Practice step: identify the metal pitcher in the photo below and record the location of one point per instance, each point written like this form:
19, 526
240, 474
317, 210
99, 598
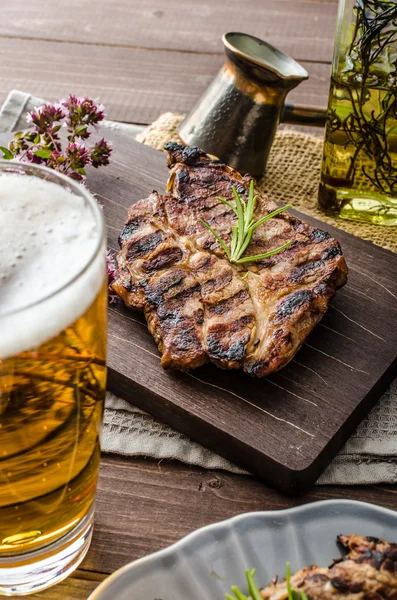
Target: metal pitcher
237, 116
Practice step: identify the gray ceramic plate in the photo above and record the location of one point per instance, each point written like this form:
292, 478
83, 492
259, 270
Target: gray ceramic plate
207, 562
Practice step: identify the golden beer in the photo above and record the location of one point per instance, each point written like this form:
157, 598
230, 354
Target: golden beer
52, 386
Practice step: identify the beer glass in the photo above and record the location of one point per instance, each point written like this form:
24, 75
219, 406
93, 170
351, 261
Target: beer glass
53, 298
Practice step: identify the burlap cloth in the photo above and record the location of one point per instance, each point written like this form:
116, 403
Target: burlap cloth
370, 456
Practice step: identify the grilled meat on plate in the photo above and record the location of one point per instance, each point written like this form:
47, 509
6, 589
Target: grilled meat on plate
367, 572
199, 306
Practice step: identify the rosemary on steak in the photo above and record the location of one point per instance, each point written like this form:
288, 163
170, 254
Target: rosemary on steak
245, 227
254, 592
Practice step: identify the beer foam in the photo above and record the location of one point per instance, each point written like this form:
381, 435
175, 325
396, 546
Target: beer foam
50, 270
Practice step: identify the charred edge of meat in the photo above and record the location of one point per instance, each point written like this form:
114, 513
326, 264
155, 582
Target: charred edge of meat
183, 177
185, 339
189, 155
129, 228
318, 235
256, 369
331, 252
218, 340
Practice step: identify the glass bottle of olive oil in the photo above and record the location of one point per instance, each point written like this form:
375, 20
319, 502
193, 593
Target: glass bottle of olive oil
359, 168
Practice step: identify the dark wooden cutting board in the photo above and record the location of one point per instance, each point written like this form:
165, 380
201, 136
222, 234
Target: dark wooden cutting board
285, 428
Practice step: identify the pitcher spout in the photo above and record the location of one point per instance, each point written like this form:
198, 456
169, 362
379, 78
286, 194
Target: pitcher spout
237, 117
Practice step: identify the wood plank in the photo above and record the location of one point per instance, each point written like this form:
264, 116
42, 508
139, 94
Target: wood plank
143, 505
135, 85
302, 29
75, 587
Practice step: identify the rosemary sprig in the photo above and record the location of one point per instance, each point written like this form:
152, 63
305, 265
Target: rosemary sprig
245, 227
254, 592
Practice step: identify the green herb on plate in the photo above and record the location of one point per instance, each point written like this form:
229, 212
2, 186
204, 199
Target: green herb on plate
254, 592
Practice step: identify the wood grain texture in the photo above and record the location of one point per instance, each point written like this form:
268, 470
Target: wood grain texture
136, 85
76, 587
143, 505
303, 29
284, 428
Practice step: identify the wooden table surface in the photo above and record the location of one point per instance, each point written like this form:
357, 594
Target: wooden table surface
142, 58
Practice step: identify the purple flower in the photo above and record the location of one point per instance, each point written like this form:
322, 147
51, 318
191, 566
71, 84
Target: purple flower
42, 145
43, 117
111, 266
112, 274
100, 154
78, 156
82, 112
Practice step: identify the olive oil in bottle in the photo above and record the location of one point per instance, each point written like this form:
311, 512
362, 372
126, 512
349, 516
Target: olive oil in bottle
359, 169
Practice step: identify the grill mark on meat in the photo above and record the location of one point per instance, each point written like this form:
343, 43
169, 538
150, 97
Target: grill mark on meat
129, 228
199, 316
318, 578
183, 295
331, 253
185, 338
218, 339
226, 305
204, 262
155, 291
339, 584
141, 246
300, 273
165, 258
291, 303
218, 283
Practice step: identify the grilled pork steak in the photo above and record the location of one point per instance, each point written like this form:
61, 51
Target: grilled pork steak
200, 307
367, 572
